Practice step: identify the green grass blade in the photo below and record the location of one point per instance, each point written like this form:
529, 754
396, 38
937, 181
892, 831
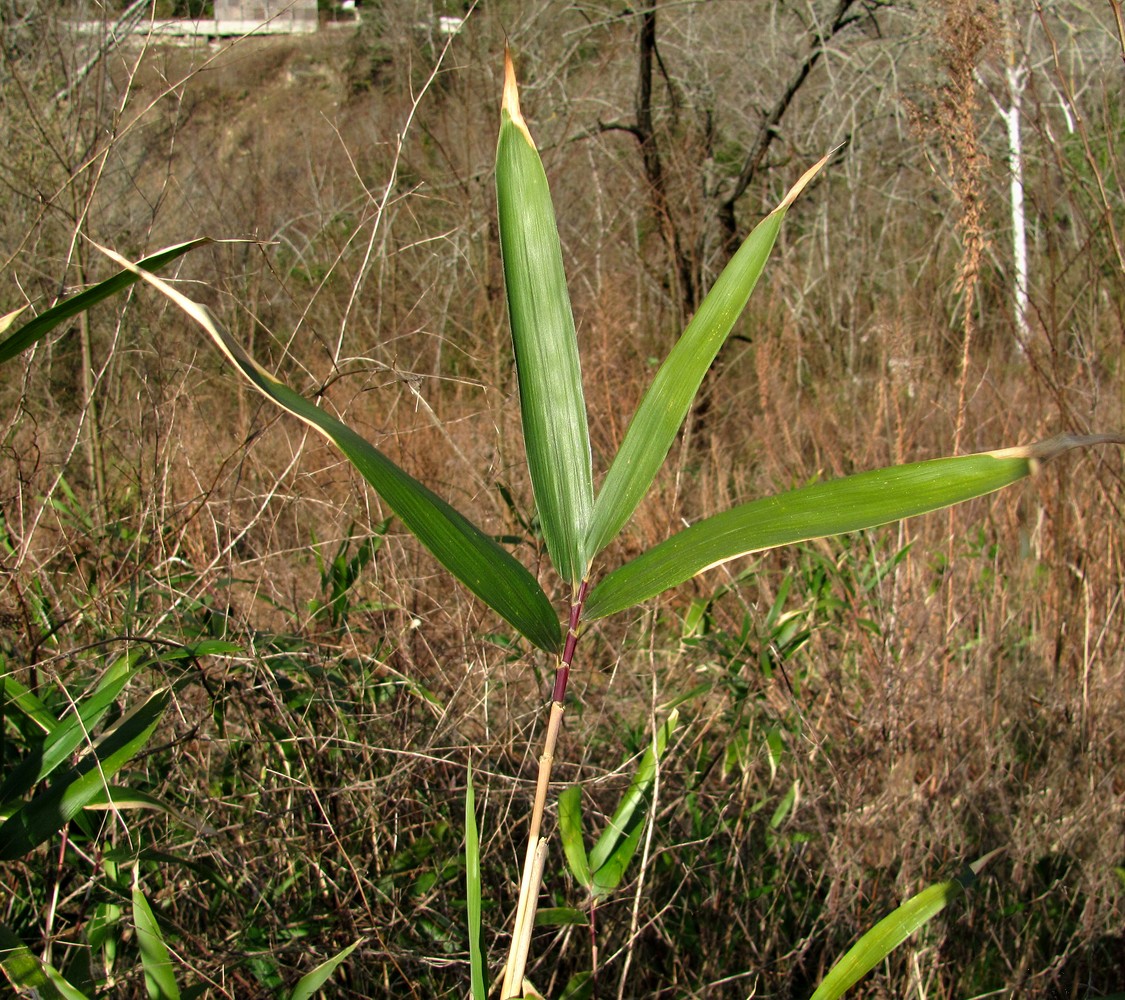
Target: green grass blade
489, 571
666, 403
44, 323
477, 985
52, 809
313, 981
893, 929
831, 508
556, 433
160, 978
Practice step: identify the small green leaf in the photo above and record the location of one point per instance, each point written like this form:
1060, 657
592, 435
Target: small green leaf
666, 403
474, 558
313, 981
570, 830
579, 987
160, 978
784, 806
560, 916
44, 323
552, 406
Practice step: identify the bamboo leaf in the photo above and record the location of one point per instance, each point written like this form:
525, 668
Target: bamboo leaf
313, 981
579, 987
560, 916
556, 434
44, 323
65, 737
621, 823
665, 405
477, 988
52, 809
609, 875
489, 571
160, 979
570, 830
16, 695
892, 930
26, 972
831, 508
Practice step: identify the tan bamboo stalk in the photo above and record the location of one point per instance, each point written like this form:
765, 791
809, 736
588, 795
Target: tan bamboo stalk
536, 856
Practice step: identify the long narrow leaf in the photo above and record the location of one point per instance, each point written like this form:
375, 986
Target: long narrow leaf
160, 978
621, 823
477, 988
610, 873
45, 322
892, 930
489, 571
831, 508
556, 434
65, 737
16, 694
665, 405
570, 830
68, 794
26, 972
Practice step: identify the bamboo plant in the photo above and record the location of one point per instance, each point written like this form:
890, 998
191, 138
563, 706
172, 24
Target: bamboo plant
579, 522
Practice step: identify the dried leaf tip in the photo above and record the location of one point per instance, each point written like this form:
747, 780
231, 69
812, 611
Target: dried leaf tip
803, 181
1043, 451
511, 100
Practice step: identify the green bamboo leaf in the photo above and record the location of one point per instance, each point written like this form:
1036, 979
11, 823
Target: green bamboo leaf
621, 823
609, 875
160, 978
892, 930
17, 695
65, 737
570, 829
113, 798
560, 916
69, 793
489, 571
44, 323
477, 988
556, 434
579, 987
26, 972
831, 508
313, 981
666, 403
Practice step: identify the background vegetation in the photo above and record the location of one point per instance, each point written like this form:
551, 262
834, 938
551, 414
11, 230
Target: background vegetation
859, 717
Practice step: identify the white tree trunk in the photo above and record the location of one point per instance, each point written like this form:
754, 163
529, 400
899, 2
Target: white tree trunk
1017, 77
